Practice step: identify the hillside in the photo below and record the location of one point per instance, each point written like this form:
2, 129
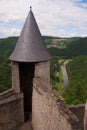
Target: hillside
72, 48
6, 47
76, 91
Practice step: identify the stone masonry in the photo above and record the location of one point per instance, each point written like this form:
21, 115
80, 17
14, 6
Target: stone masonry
15, 77
48, 108
11, 112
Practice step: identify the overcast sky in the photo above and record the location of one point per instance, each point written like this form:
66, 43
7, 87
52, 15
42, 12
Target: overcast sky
62, 18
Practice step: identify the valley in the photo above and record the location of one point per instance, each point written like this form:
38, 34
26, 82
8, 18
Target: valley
61, 49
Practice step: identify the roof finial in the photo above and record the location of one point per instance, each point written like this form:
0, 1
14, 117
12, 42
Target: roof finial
30, 8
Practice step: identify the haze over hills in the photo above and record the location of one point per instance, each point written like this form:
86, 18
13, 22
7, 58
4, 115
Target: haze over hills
60, 48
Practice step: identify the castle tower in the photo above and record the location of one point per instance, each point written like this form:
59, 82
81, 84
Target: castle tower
29, 59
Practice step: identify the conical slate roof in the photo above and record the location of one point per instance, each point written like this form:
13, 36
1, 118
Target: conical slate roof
30, 46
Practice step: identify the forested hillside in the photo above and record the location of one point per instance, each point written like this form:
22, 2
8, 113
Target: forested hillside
76, 91
6, 47
72, 48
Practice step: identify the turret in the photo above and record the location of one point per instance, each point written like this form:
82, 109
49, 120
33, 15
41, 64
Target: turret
30, 46
30, 60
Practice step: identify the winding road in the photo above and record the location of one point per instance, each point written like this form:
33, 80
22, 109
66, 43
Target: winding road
65, 76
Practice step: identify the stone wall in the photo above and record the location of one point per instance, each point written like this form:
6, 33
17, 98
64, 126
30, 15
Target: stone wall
42, 71
49, 111
11, 111
78, 110
6, 94
15, 77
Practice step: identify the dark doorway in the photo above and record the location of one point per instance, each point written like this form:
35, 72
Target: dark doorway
26, 71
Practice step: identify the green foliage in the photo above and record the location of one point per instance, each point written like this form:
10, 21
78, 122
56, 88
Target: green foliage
54, 69
75, 47
59, 84
6, 47
76, 91
5, 76
47, 40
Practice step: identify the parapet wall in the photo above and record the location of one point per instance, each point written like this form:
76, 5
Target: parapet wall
78, 110
49, 111
6, 94
11, 110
